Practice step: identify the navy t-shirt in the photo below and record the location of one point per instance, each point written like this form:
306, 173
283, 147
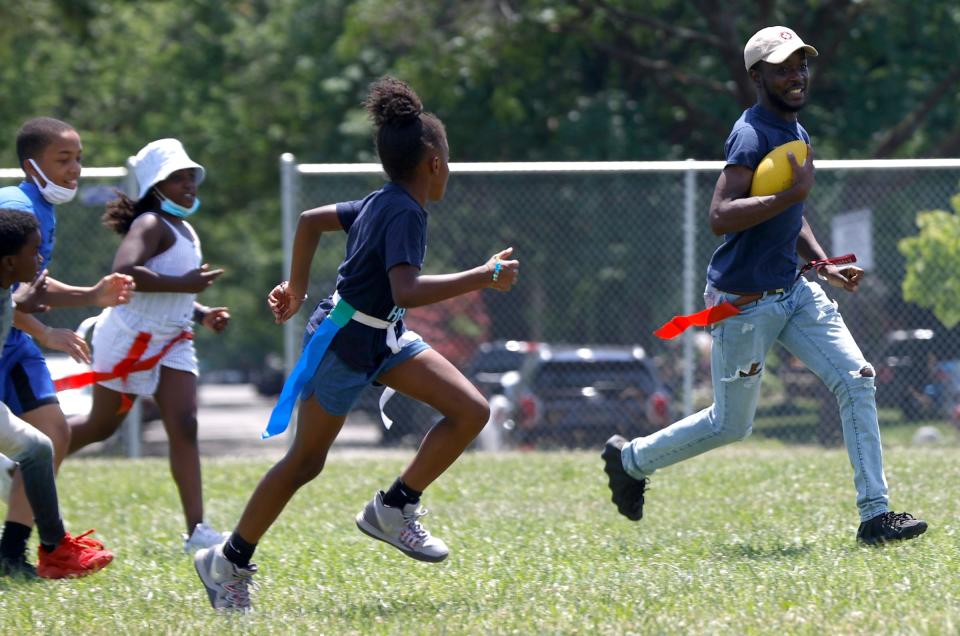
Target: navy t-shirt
385, 229
764, 256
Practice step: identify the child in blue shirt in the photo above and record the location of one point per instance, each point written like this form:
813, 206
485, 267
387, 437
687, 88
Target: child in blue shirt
379, 278
50, 155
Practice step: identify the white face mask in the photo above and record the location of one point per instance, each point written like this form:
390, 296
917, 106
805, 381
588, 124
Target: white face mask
53, 193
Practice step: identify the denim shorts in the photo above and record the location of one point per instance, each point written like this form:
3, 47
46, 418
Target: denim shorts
336, 385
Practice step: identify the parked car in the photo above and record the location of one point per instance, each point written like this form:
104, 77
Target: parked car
911, 373
494, 369
577, 396
493, 360
412, 419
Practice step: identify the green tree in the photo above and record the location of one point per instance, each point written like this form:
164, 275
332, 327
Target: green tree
933, 260
243, 81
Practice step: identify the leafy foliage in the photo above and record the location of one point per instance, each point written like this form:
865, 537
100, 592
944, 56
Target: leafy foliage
242, 82
933, 260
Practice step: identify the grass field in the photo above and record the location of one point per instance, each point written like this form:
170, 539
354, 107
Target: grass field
754, 539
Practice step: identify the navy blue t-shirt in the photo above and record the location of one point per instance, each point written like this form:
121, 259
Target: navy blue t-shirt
385, 229
764, 256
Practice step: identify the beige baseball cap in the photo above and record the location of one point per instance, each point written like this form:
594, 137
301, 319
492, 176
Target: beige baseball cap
774, 44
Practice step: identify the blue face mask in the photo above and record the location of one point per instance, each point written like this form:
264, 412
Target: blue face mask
176, 210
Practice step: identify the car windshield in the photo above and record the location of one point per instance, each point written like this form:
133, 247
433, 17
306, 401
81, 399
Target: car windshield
609, 375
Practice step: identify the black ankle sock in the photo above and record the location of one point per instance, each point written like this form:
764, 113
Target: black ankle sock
238, 551
13, 543
400, 495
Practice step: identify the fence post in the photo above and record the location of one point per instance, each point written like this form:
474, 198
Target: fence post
689, 279
289, 195
133, 423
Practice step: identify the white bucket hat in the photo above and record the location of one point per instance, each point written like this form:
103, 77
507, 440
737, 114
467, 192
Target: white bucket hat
158, 160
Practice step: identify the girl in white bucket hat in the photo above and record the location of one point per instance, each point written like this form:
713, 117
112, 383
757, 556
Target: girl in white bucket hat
147, 349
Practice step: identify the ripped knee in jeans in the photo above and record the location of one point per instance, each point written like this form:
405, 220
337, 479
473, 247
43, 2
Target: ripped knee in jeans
755, 369
746, 372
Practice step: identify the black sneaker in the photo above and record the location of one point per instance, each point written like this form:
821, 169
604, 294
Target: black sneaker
17, 567
626, 492
890, 526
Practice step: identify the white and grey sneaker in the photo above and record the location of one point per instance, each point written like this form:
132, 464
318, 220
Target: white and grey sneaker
228, 586
7, 466
203, 536
401, 528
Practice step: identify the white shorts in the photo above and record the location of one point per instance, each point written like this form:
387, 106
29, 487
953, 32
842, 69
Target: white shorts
115, 333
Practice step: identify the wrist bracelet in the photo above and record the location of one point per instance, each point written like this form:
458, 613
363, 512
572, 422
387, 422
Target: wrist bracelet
286, 287
496, 270
199, 314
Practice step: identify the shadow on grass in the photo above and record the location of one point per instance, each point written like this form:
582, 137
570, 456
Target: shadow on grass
763, 552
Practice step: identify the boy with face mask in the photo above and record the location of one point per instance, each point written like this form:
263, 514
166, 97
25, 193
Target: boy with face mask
50, 155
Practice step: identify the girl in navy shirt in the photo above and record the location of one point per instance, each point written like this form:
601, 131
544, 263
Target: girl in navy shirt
379, 278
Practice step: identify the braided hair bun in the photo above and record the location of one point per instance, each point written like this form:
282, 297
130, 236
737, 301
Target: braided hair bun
404, 131
392, 102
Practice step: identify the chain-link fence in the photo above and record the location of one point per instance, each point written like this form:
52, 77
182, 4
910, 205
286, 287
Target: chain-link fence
608, 252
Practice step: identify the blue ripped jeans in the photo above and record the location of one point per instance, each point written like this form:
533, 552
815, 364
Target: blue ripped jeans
809, 326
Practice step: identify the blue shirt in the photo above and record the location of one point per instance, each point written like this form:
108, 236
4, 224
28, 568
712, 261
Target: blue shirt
762, 257
26, 197
385, 229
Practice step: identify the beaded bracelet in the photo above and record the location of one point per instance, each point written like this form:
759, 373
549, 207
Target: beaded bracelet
496, 270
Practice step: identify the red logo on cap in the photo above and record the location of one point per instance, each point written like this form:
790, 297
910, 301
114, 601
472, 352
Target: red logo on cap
786, 35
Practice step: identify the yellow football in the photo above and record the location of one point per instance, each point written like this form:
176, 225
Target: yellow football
774, 173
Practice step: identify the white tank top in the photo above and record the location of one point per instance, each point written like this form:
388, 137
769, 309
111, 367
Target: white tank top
171, 308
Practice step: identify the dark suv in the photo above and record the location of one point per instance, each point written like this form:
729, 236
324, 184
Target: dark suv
577, 396
493, 360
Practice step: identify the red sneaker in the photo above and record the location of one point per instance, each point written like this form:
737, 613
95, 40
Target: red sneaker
90, 542
73, 557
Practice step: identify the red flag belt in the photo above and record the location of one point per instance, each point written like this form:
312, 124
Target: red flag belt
678, 324
846, 259
131, 363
